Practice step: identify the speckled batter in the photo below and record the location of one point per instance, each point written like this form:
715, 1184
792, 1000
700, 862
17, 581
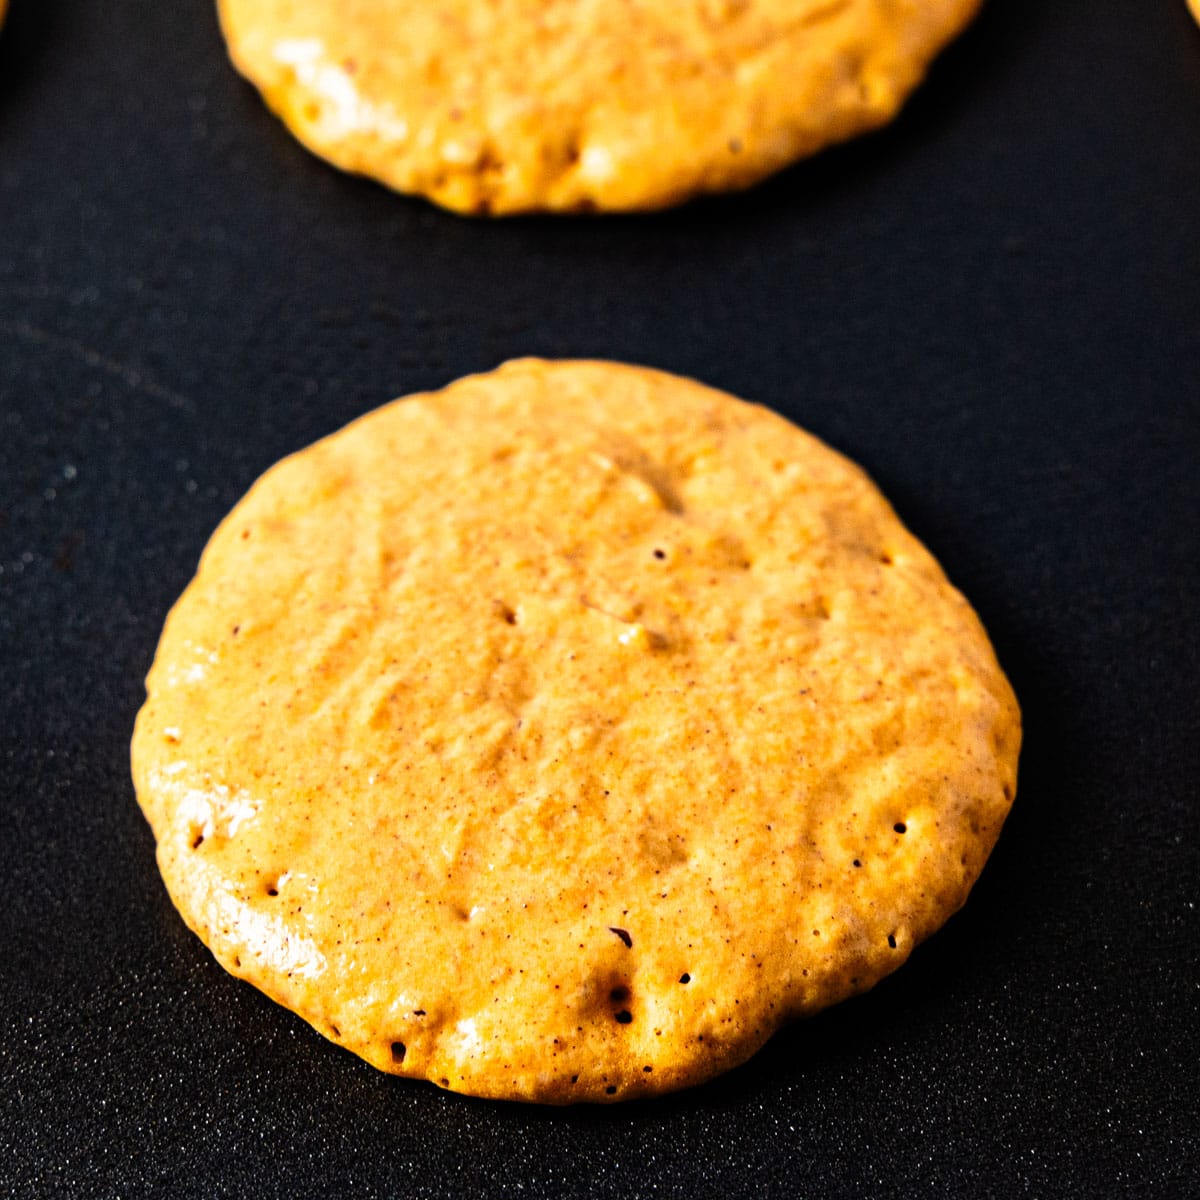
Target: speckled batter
559, 735
517, 105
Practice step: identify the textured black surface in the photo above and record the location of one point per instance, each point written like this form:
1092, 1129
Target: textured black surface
994, 305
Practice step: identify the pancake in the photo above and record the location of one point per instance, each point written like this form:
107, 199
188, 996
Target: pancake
559, 735
569, 105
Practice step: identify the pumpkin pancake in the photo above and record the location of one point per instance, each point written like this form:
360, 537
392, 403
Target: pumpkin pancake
568, 105
559, 735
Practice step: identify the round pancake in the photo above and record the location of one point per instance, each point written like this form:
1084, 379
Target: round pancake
522, 105
559, 735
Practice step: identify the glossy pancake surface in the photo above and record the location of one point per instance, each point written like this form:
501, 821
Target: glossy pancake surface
559, 735
519, 105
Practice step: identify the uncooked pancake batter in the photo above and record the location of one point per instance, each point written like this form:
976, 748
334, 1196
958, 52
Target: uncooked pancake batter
559, 735
522, 105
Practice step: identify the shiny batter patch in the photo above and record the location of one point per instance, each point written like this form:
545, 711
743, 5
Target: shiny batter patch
559, 735
569, 105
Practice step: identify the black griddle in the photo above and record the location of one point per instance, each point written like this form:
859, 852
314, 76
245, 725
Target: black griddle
993, 305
